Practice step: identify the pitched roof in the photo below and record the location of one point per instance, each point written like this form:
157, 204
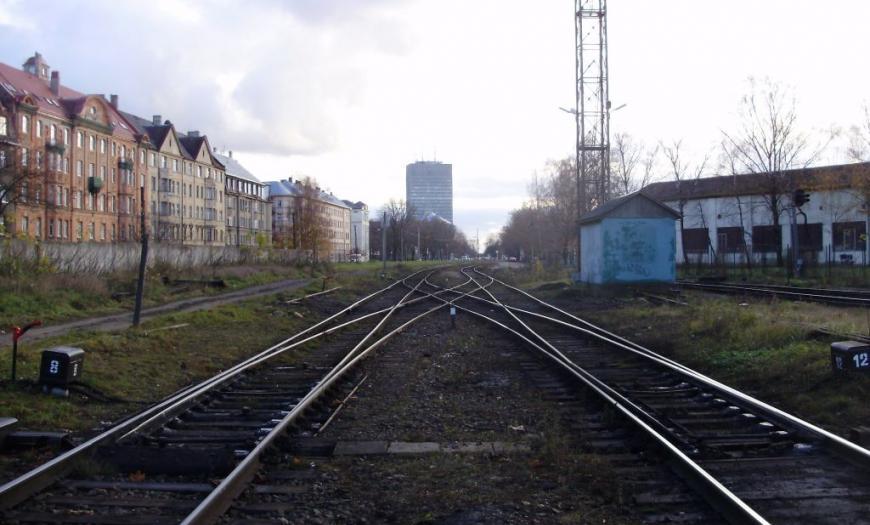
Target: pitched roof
64, 105
358, 205
235, 169
829, 177
287, 188
612, 205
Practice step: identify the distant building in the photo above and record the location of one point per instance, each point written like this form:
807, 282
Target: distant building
249, 212
628, 240
429, 188
359, 229
287, 196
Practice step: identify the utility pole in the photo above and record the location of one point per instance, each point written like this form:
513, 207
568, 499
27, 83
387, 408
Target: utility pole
419, 248
384, 242
143, 261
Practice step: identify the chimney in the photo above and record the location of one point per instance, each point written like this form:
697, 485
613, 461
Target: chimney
193, 134
155, 120
231, 153
55, 83
113, 99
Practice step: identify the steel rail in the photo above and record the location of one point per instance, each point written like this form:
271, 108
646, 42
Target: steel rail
844, 292
719, 496
838, 444
20, 488
839, 300
168, 412
220, 499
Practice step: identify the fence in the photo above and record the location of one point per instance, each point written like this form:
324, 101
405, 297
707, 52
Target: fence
827, 265
101, 258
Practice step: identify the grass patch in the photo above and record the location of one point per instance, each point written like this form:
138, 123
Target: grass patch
766, 348
143, 364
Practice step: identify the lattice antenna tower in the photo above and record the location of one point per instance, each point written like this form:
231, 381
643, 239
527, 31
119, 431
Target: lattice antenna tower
593, 104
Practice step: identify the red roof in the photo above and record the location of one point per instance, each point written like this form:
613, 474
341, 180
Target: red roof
68, 104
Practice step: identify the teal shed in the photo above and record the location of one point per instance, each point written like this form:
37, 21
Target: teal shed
631, 239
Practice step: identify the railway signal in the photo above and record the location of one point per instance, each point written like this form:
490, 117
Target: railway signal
17, 332
800, 198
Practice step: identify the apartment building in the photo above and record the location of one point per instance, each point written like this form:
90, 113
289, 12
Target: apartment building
331, 218
186, 185
73, 165
248, 210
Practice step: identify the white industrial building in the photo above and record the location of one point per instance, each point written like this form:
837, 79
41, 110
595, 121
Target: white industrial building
729, 219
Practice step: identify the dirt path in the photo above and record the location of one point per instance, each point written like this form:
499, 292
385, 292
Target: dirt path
123, 320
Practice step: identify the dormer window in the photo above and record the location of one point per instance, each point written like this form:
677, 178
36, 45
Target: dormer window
93, 111
45, 71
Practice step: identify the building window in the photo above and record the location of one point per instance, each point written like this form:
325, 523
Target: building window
142, 156
849, 236
103, 172
66, 136
4, 126
38, 128
38, 225
52, 133
25, 124
102, 232
80, 228
80, 168
810, 237
163, 161
102, 145
695, 240
24, 157
91, 232
80, 139
92, 142
2, 158
91, 170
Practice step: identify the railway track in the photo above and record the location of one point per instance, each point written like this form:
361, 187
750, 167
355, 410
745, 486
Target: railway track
184, 460
751, 462
833, 296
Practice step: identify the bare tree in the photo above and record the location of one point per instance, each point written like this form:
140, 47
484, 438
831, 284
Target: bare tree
632, 164
18, 182
768, 142
685, 174
310, 219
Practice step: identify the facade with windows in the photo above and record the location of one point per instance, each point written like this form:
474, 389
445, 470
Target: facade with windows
70, 162
429, 189
359, 230
331, 217
186, 183
730, 219
248, 210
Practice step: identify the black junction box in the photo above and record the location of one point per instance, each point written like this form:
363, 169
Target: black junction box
61, 365
850, 355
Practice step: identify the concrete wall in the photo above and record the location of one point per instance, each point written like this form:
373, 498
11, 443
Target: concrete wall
619, 250
102, 258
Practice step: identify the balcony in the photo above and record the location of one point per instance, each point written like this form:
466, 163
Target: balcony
53, 146
95, 184
124, 164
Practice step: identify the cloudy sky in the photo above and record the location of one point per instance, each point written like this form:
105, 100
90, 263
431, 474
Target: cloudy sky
350, 91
